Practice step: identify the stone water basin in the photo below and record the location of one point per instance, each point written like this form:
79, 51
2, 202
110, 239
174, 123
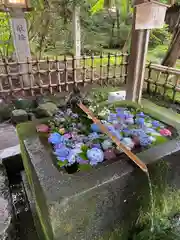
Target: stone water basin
87, 205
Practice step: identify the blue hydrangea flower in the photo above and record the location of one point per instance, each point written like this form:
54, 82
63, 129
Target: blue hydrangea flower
140, 121
118, 110
121, 115
95, 156
55, 138
73, 155
111, 128
129, 121
137, 132
155, 123
93, 136
145, 141
126, 132
74, 115
96, 145
117, 134
149, 130
95, 128
111, 117
62, 153
81, 161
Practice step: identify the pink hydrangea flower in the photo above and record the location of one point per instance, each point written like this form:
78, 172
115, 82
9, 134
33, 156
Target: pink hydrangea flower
43, 128
165, 132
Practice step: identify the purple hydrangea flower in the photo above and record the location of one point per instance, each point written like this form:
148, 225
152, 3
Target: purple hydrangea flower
62, 153
149, 130
137, 132
117, 134
111, 128
112, 117
95, 156
93, 136
121, 115
73, 155
81, 161
140, 121
145, 141
141, 115
155, 123
55, 138
126, 132
96, 145
118, 110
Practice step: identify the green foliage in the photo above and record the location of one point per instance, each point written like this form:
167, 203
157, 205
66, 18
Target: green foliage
6, 46
159, 36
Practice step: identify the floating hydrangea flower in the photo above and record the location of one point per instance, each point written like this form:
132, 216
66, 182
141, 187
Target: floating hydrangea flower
120, 109
149, 130
62, 153
106, 144
81, 161
128, 142
141, 115
117, 134
121, 115
54, 138
126, 132
93, 136
111, 117
111, 128
129, 121
95, 156
95, 128
165, 132
67, 135
73, 155
145, 141
43, 128
74, 115
96, 145
155, 123
140, 121
137, 132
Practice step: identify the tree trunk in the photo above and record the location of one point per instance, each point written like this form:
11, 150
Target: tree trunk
118, 24
173, 52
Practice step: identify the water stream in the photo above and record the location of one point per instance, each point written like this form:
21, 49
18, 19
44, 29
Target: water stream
151, 202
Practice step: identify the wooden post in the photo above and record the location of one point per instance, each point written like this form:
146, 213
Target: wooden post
135, 61
147, 15
21, 42
77, 33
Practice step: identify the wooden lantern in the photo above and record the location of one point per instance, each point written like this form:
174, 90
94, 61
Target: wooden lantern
150, 14
14, 4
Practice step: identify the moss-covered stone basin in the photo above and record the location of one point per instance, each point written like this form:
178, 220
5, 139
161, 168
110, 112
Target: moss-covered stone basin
87, 205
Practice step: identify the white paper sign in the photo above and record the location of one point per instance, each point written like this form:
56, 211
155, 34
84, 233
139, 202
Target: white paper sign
150, 15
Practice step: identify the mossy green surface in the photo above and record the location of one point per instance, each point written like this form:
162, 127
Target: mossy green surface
26, 130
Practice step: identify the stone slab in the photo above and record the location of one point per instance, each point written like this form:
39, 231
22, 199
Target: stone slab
86, 205
9, 143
